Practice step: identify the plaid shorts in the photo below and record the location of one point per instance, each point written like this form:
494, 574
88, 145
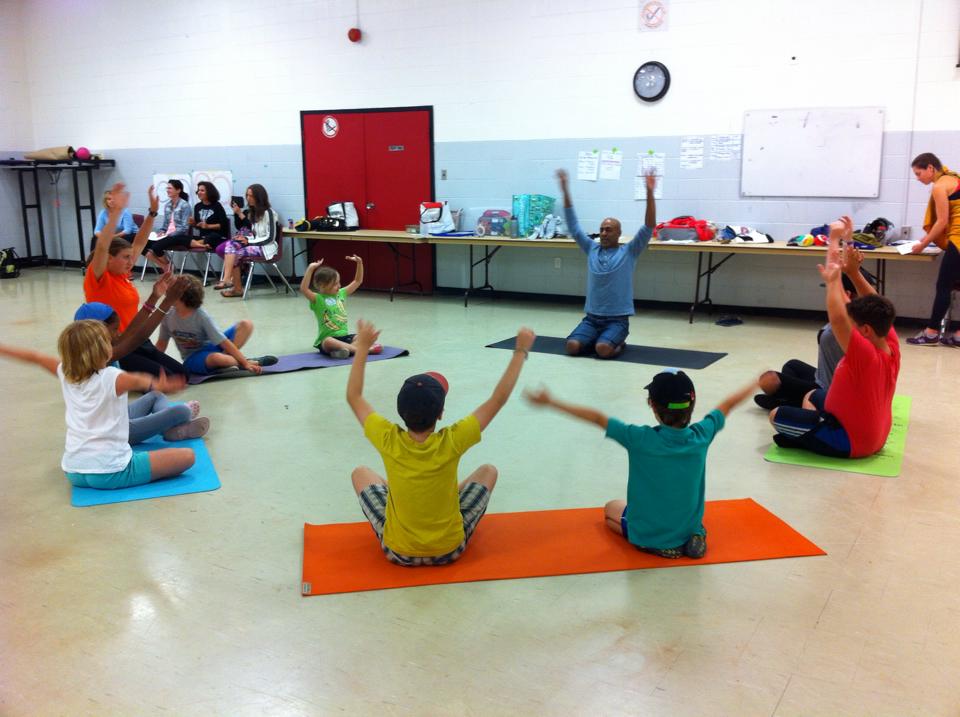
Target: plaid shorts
473, 504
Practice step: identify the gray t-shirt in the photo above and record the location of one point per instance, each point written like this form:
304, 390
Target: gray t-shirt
190, 333
829, 354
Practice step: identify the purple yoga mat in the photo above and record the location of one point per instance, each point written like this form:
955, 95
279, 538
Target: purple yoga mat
299, 362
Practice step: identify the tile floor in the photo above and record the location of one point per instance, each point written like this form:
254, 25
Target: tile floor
190, 605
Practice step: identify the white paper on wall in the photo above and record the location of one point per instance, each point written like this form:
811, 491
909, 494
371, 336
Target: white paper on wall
646, 162
691, 152
724, 147
222, 179
587, 164
611, 162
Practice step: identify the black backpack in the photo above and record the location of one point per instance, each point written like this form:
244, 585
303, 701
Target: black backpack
9, 264
328, 224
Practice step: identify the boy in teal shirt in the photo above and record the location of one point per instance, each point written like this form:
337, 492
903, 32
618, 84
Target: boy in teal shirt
321, 286
663, 513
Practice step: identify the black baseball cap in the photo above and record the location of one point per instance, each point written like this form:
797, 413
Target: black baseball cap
672, 389
421, 398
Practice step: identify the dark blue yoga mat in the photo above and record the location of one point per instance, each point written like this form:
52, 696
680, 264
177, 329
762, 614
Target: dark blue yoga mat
201, 477
300, 362
652, 355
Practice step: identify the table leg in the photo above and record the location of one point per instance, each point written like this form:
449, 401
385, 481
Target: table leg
696, 291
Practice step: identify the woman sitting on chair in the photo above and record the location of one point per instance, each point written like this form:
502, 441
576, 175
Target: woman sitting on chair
209, 219
174, 230
261, 222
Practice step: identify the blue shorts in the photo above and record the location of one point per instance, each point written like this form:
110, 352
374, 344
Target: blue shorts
813, 430
594, 329
137, 472
197, 361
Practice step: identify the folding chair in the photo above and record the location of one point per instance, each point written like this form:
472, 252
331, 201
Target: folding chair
252, 262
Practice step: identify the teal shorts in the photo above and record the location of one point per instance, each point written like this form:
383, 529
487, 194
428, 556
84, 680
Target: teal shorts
137, 472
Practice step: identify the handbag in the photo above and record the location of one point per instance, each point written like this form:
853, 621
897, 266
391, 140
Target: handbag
346, 211
9, 264
436, 218
685, 228
328, 224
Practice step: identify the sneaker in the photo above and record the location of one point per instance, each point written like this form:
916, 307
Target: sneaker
695, 547
194, 429
225, 369
376, 349
672, 553
952, 341
340, 354
766, 402
924, 339
266, 360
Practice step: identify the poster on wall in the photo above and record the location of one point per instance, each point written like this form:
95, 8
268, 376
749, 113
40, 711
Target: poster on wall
646, 162
691, 152
611, 162
160, 187
724, 147
222, 179
588, 161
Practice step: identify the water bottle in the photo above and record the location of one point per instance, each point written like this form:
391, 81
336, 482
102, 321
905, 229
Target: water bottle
289, 223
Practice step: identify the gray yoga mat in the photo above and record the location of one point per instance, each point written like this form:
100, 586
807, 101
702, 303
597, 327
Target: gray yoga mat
652, 355
300, 362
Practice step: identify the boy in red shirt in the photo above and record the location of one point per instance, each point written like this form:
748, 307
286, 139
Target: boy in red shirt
853, 418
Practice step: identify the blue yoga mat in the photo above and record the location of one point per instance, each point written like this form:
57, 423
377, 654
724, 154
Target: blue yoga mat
201, 477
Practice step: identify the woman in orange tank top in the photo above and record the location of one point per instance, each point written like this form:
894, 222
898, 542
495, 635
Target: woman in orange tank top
107, 280
941, 225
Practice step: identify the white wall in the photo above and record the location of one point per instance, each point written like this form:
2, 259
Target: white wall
16, 128
112, 74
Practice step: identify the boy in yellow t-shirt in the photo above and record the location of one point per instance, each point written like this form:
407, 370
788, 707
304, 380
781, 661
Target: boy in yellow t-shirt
421, 515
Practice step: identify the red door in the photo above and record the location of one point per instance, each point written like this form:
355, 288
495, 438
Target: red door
382, 161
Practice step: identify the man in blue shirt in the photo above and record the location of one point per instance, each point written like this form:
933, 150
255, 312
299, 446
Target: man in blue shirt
610, 266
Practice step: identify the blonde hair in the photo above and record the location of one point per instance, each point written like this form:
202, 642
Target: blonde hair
84, 348
106, 196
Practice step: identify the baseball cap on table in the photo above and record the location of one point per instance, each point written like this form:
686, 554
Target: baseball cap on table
93, 310
672, 389
421, 398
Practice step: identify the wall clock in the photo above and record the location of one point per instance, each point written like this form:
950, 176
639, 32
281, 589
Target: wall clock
651, 81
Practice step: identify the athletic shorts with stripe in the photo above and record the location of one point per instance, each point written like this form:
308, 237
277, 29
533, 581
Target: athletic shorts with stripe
473, 504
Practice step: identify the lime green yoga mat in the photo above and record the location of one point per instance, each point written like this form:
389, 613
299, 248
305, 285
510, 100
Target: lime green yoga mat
885, 463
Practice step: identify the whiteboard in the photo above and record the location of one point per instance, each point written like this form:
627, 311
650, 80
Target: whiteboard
814, 152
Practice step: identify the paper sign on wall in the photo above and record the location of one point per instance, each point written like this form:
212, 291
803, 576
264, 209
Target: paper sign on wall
724, 147
588, 163
646, 162
611, 162
691, 152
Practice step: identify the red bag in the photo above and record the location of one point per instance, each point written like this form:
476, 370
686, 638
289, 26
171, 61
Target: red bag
685, 228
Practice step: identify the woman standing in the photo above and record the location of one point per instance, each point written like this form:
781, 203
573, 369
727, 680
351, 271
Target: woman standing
941, 225
175, 228
261, 221
209, 218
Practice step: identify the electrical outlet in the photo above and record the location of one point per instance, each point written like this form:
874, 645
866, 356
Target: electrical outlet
443, 174
905, 232
557, 263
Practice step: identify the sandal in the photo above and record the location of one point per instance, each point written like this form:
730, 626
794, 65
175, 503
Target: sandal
231, 294
221, 285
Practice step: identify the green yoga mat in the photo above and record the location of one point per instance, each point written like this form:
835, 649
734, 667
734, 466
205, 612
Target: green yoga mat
885, 463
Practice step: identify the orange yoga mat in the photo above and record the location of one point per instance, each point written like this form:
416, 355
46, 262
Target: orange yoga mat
346, 557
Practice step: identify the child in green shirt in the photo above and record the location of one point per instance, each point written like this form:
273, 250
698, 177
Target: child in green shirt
321, 286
